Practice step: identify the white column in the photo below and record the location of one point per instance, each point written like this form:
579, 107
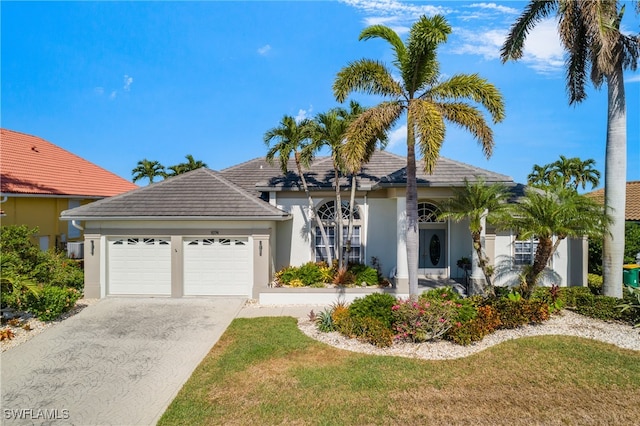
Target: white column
476, 271
401, 249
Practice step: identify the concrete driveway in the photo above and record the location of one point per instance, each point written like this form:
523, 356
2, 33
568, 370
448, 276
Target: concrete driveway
120, 361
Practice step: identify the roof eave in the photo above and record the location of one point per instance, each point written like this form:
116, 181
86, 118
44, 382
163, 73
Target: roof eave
159, 218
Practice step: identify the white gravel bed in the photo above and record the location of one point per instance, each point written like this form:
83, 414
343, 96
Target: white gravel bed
34, 326
566, 323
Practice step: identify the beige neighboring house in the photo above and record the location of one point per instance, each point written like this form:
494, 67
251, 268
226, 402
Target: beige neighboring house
208, 233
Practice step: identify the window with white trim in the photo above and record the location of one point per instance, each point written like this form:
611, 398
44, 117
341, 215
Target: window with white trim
524, 251
327, 213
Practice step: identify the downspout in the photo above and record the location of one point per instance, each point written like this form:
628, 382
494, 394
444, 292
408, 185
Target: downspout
364, 233
76, 225
4, 199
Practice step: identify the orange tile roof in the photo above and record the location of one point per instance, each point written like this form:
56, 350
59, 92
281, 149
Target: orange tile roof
632, 208
31, 165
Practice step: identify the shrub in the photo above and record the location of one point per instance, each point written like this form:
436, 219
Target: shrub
373, 331
486, 322
376, 305
365, 274
47, 304
422, 320
631, 305
296, 282
594, 282
309, 273
515, 313
343, 277
342, 319
601, 307
550, 296
570, 295
465, 308
285, 275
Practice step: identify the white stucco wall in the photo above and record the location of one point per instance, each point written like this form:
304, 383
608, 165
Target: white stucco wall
381, 233
460, 245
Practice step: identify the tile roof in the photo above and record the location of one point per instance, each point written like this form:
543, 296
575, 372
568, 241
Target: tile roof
199, 194
632, 208
384, 170
31, 165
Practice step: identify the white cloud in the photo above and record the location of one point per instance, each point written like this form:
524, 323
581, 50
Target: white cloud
303, 113
633, 79
264, 50
394, 14
495, 7
397, 137
542, 49
127, 83
113, 95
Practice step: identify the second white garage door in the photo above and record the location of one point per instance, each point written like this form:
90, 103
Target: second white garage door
217, 267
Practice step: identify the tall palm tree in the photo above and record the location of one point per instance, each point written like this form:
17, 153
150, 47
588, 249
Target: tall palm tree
590, 34
584, 172
147, 169
565, 172
428, 101
555, 213
479, 203
290, 138
540, 176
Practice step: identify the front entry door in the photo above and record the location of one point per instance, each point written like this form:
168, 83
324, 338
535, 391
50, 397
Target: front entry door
432, 249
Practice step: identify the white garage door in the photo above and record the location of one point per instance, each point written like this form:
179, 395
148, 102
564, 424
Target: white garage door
217, 266
139, 266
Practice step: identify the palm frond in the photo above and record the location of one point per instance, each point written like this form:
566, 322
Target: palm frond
430, 131
386, 33
421, 67
369, 127
474, 87
470, 118
366, 76
533, 13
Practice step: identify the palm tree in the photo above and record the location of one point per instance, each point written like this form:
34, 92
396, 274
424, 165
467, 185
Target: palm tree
289, 138
426, 98
479, 203
147, 169
180, 168
565, 172
584, 172
540, 176
558, 212
590, 34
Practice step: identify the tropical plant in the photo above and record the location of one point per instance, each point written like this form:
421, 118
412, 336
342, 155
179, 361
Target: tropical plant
549, 215
566, 172
189, 165
147, 169
479, 203
290, 138
590, 34
428, 100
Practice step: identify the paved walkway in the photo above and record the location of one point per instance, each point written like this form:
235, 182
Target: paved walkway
118, 362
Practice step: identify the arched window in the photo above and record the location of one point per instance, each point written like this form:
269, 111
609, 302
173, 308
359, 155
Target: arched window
328, 213
428, 213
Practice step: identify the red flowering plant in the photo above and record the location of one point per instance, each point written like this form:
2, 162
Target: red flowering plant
424, 319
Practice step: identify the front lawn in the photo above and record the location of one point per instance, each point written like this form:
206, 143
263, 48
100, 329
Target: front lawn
265, 371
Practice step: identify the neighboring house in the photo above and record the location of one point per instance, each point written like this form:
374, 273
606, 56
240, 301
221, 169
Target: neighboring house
632, 207
39, 180
227, 232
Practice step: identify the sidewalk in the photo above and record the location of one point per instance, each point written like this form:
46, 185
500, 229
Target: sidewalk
296, 311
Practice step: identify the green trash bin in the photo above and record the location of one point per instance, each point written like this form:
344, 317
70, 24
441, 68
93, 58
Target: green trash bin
630, 275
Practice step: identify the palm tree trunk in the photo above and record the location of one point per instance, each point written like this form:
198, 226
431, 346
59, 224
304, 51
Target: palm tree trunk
323, 233
352, 202
338, 232
412, 210
615, 184
540, 260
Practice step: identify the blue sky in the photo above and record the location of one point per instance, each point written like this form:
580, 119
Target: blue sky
115, 82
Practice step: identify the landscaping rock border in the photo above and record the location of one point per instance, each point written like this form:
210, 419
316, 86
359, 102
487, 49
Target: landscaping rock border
565, 323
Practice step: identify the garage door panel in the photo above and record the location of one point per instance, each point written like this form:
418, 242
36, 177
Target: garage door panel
139, 266
217, 266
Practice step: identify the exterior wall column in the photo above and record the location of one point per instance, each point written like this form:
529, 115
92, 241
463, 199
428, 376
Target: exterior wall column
92, 254
261, 262
177, 266
402, 269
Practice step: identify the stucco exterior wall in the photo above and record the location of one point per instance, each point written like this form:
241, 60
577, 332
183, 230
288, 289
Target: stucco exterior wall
460, 246
44, 213
381, 233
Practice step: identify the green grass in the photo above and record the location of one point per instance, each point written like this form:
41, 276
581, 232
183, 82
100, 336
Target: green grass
265, 371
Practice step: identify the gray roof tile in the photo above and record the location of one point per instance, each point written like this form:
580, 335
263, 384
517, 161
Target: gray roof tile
202, 193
